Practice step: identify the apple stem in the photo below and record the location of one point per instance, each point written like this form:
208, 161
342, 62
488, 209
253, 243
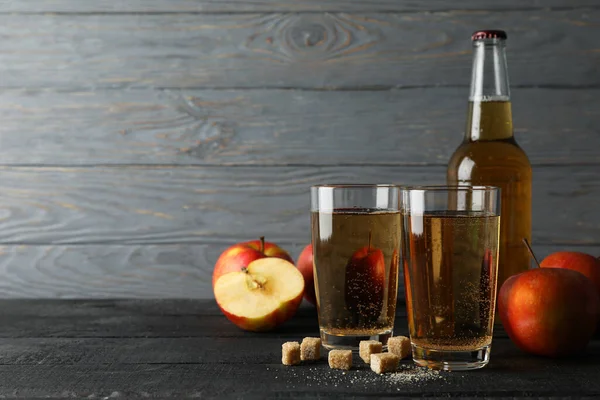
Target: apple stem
252, 281
531, 252
262, 244
370, 237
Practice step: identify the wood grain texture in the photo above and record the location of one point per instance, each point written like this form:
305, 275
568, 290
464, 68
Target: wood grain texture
532, 378
100, 310
185, 355
161, 82
136, 271
112, 271
181, 6
100, 271
132, 351
281, 127
185, 350
322, 50
80, 319
138, 205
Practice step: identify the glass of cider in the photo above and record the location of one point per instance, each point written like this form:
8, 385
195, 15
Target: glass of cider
356, 249
450, 237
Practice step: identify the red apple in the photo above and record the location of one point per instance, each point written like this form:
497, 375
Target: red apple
581, 262
549, 311
365, 280
262, 295
240, 255
305, 266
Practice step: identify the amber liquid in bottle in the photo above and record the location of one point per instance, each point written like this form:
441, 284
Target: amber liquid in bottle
489, 155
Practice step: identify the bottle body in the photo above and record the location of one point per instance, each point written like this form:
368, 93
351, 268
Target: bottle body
502, 163
489, 154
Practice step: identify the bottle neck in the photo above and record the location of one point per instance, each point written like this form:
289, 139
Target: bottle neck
490, 116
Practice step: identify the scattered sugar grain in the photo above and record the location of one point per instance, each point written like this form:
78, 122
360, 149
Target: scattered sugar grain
410, 374
407, 375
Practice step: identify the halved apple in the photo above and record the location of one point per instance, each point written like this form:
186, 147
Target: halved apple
242, 254
261, 296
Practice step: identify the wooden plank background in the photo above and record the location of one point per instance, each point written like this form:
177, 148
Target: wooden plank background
190, 6
139, 139
280, 127
290, 50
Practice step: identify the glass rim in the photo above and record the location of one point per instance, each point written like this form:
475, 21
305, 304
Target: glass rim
442, 188
355, 185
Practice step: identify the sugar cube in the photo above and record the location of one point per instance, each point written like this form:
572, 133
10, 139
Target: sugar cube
368, 347
400, 346
384, 362
290, 353
340, 359
310, 349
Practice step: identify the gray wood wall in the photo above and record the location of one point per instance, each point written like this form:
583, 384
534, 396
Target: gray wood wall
138, 139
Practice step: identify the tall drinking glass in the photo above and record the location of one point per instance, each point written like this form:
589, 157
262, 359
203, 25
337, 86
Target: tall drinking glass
450, 257
356, 247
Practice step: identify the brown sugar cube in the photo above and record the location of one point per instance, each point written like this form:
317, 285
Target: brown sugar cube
340, 359
400, 346
290, 353
368, 347
310, 349
384, 362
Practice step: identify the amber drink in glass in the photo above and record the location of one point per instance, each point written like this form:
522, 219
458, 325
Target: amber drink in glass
356, 248
450, 257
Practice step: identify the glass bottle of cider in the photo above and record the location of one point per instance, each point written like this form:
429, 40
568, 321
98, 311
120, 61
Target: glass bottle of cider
489, 154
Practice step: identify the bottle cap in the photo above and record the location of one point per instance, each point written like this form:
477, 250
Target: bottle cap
488, 34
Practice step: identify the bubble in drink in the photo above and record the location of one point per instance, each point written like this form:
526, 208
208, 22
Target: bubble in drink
356, 266
451, 278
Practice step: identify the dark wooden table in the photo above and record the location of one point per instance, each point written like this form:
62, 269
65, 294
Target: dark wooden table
186, 348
